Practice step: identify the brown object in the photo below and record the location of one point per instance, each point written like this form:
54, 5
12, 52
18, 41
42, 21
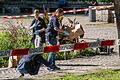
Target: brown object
75, 32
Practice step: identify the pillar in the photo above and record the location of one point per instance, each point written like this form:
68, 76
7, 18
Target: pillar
92, 14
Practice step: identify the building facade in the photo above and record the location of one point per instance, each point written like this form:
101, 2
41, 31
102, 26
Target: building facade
17, 7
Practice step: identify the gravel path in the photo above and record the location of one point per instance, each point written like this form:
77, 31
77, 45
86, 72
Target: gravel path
100, 30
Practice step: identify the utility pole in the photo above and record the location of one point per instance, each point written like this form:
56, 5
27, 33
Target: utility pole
117, 13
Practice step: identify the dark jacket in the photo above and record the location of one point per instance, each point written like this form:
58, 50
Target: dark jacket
37, 25
29, 64
53, 22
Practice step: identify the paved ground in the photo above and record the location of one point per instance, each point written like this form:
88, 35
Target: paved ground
80, 65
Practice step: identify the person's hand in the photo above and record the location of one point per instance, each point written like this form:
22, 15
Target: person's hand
73, 30
27, 28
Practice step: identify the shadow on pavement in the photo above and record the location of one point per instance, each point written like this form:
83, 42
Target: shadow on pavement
77, 65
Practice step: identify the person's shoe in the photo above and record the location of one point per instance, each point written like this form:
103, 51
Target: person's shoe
50, 69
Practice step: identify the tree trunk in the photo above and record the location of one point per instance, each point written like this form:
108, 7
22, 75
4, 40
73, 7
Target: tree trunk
117, 13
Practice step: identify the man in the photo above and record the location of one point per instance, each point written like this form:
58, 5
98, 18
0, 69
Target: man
38, 25
30, 64
52, 32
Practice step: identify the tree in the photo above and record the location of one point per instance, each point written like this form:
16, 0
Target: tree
117, 13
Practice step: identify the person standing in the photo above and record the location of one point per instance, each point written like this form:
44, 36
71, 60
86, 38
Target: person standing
38, 26
51, 35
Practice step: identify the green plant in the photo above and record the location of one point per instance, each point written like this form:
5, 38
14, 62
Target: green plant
100, 75
60, 56
88, 52
14, 37
4, 62
45, 55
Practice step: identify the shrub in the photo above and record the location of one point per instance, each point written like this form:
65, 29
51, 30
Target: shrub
14, 37
88, 52
4, 62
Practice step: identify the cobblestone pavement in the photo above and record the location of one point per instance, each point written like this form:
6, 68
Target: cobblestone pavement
100, 30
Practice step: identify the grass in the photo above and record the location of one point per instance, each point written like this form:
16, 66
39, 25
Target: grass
100, 75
